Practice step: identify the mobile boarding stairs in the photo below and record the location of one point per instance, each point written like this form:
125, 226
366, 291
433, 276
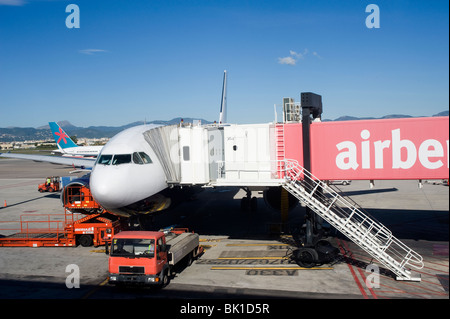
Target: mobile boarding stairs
347, 217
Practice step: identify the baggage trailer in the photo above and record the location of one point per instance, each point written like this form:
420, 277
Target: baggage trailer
40, 230
147, 257
64, 230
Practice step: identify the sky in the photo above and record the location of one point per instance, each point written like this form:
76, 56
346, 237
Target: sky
160, 59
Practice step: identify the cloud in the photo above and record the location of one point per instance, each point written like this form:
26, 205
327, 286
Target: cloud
90, 51
12, 3
295, 56
293, 53
316, 55
298, 55
287, 60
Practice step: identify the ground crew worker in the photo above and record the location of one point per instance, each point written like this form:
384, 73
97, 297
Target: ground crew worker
151, 248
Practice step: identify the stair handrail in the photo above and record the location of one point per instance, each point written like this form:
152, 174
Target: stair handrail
296, 173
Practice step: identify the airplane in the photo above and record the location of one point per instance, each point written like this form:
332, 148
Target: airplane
67, 147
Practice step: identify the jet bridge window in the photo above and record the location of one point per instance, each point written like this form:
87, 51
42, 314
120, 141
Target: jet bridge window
104, 159
121, 159
186, 153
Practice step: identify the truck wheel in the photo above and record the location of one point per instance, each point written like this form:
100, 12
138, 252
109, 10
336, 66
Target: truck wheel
166, 279
189, 259
85, 240
51, 189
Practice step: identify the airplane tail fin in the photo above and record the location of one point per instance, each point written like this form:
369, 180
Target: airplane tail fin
223, 103
61, 138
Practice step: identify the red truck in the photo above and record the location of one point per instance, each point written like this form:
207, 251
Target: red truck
147, 257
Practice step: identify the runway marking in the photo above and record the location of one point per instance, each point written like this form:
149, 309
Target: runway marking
269, 268
361, 257
438, 259
427, 290
244, 245
98, 251
244, 261
95, 289
363, 276
257, 258
440, 250
355, 277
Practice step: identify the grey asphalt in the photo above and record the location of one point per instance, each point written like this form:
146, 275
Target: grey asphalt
243, 256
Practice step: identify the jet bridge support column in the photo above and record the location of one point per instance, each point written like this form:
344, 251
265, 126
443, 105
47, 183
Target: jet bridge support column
311, 104
313, 250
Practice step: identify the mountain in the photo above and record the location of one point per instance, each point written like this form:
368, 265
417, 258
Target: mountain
390, 116
43, 132
443, 113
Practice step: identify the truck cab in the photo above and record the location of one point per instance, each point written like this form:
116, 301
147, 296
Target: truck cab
139, 257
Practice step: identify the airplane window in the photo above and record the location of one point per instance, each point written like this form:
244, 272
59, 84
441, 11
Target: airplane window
137, 158
121, 159
145, 158
105, 159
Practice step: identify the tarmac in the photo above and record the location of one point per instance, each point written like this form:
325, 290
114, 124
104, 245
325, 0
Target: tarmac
245, 253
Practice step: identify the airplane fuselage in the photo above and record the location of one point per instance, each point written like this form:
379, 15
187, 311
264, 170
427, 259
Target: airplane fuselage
85, 151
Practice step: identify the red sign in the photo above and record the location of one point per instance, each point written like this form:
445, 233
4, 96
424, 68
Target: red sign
413, 148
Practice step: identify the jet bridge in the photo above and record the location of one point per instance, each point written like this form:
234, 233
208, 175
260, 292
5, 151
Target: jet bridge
217, 155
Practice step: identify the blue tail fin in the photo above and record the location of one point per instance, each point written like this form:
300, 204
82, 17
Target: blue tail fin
61, 138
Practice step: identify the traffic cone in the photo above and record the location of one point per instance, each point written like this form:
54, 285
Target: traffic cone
5, 203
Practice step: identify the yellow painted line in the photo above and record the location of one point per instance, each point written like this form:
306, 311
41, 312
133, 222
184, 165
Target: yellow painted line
97, 251
253, 258
243, 245
93, 290
270, 268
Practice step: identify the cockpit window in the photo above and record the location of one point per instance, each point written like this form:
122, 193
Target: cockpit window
145, 158
141, 158
137, 158
104, 159
121, 159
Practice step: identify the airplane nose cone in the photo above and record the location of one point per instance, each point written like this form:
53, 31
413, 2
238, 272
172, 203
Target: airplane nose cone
109, 190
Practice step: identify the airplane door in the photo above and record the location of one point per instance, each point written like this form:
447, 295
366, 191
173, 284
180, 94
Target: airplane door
216, 151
